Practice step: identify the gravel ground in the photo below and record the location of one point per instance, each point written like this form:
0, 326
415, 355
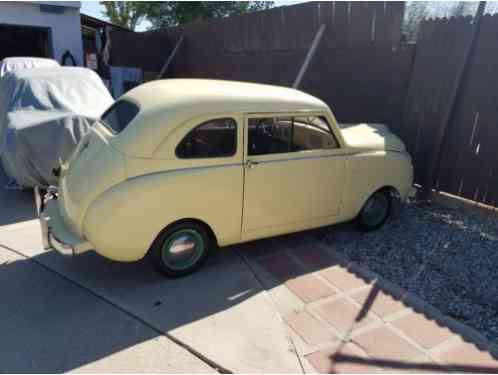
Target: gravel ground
447, 257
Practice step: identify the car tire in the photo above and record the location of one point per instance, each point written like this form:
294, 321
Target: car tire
180, 249
375, 211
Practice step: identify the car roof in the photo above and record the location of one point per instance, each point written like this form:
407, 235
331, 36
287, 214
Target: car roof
166, 104
223, 96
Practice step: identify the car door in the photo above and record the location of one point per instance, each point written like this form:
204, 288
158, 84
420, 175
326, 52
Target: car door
294, 174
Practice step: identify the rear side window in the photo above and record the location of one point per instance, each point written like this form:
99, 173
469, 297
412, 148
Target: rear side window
119, 115
211, 139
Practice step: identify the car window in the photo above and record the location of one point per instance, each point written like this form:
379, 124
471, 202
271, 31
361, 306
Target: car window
269, 135
312, 133
211, 139
119, 115
274, 135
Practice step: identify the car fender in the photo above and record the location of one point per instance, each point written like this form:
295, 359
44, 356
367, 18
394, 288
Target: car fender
371, 171
123, 221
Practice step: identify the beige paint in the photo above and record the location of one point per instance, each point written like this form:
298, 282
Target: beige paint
118, 192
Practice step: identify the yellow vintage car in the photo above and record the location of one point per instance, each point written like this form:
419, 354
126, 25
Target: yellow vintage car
177, 167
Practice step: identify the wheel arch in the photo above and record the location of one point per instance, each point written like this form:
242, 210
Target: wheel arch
394, 195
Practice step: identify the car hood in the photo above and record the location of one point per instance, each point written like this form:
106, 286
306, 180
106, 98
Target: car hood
371, 137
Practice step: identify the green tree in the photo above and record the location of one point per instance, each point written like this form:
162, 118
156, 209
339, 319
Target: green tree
415, 12
125, 13
171, 13
464, 8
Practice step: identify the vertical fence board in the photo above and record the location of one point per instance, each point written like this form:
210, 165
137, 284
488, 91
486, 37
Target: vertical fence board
480, 156
342, 23
382, 29
361, 22
394, 15
327, 18
415, 112
326, 14
449, 179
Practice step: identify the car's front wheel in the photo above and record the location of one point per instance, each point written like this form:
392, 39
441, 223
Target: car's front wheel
375, 212
180, 249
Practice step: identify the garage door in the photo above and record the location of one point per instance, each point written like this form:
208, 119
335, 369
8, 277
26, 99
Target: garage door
23, 41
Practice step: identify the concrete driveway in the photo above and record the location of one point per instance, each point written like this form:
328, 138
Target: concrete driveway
90, 314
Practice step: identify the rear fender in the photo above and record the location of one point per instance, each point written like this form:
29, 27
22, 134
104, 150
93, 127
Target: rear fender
123, 222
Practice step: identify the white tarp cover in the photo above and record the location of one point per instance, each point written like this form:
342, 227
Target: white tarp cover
43, 114
13, 64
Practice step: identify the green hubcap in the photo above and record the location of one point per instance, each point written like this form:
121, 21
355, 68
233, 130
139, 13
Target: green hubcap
375, 209
182, 249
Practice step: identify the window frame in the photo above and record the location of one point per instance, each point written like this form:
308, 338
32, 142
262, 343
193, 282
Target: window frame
292, 116
178, 143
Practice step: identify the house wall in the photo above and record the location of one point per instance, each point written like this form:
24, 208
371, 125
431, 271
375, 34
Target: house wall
65, 27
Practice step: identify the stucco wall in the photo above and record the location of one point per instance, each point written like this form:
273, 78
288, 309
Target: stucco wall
65, 27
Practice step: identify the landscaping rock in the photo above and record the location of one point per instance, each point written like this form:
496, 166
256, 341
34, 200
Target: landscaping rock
449, 258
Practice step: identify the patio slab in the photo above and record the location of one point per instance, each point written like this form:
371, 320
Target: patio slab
363, 323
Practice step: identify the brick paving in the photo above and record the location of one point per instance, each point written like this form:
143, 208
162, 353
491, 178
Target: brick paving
343, 318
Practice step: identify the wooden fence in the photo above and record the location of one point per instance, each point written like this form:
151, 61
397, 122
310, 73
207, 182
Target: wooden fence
293, 27
362, 70
469, 162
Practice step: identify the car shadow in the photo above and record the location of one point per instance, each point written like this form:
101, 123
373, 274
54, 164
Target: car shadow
15, 205
53, 324
50, 326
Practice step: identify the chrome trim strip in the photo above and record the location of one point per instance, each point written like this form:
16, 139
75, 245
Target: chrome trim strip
296, 158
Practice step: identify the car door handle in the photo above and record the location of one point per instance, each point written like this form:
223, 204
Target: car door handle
251, 163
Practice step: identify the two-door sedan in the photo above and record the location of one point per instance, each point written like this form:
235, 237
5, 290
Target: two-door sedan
177, 167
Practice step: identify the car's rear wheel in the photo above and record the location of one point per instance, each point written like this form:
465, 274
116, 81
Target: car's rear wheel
181, 249
375, 212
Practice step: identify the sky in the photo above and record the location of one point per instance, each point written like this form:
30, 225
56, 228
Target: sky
94, 9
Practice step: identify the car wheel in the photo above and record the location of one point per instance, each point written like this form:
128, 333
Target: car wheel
375, 211
181, 249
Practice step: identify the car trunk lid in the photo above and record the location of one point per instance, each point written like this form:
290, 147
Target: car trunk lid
93, 167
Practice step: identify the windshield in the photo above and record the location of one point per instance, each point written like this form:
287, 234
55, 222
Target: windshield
119, 115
